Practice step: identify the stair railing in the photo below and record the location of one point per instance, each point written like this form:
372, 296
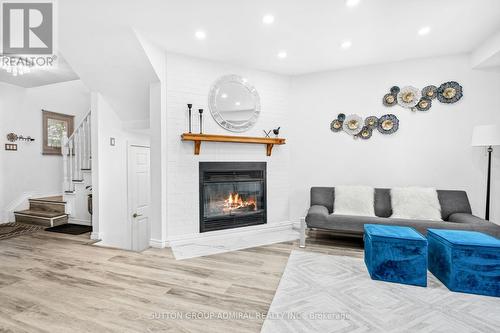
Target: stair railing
76, 152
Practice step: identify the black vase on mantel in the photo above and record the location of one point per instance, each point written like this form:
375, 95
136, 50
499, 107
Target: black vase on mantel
201, 120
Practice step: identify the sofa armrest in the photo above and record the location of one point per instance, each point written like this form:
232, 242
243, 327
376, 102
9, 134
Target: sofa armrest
465, 218
316, 213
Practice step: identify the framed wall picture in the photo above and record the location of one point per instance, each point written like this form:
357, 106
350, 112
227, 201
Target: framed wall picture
54, 125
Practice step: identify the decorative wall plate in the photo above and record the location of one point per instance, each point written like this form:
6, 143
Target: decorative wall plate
365, 133
336, 125
390, 100
388, 124
341, 117
409, 96
395, 90
424, 104
430, 92
371, 122
449, 92
12, 137
353, 124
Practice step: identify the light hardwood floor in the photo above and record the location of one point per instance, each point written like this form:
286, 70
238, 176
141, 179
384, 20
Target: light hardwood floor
52, 282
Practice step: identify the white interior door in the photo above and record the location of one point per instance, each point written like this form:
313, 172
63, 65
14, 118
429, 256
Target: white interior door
139, 196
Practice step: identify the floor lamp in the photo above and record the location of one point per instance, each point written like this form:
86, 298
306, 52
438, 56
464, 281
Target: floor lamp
486, 136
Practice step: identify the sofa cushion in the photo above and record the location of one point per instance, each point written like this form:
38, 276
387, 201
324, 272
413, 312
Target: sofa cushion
355, 224
415, 203
467, 218
323, 196
451, 201
317, 215
354, 200
319, 218
383, 202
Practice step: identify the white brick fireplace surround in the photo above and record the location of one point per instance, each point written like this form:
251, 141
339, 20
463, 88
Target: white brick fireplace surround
189, 81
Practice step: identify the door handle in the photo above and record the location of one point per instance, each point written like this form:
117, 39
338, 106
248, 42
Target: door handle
136, 215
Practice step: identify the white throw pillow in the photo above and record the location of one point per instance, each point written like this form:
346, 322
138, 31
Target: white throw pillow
354, 200
416, 203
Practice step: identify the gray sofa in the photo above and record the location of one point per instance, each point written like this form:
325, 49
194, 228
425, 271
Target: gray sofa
455, 211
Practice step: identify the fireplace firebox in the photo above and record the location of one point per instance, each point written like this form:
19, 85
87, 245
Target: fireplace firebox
232, 195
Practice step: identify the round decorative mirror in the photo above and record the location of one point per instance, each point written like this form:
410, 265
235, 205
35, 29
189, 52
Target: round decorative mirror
234, 103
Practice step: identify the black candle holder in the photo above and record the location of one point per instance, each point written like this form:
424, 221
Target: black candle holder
201, 120
189, 113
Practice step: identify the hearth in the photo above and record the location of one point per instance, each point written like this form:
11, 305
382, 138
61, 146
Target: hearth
232, 195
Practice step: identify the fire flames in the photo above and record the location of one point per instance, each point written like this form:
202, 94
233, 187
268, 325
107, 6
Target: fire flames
236, 202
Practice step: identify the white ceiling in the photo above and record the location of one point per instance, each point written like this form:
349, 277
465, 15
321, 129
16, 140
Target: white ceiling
98, 41
40, 76
311, 31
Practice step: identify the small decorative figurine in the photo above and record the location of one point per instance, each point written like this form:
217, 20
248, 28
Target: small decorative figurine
189, 113
201, 120
276, 131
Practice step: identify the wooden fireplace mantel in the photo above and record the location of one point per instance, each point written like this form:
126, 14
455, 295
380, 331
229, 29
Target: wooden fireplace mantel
198, 138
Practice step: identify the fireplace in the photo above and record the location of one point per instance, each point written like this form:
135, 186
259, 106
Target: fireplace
232, 195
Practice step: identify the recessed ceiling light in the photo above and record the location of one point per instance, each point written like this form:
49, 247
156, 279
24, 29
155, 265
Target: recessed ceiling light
237, 103
424, 31
282, 55
224, 95
346, 44
200, 34
352, 3
268, 19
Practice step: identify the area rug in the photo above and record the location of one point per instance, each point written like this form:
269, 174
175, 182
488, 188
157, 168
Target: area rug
327, 293
9, 230
70, 229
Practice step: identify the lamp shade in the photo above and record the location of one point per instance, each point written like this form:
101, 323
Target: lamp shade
486, 135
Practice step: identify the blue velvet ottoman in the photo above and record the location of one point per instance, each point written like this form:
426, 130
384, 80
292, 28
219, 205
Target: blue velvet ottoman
396, 254
465, 261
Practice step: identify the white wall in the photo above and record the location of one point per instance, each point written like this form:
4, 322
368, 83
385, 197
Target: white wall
189, 81
430, 149
487, 55
28, 172
110, 221
158, 130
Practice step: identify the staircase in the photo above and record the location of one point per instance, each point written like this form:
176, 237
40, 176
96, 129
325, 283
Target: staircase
48, 212
77, 180
77, 174
76, 155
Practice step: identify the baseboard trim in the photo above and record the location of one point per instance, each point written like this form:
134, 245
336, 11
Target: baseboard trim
79, 221
158, 244
96, 235
296, 225
5, 217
